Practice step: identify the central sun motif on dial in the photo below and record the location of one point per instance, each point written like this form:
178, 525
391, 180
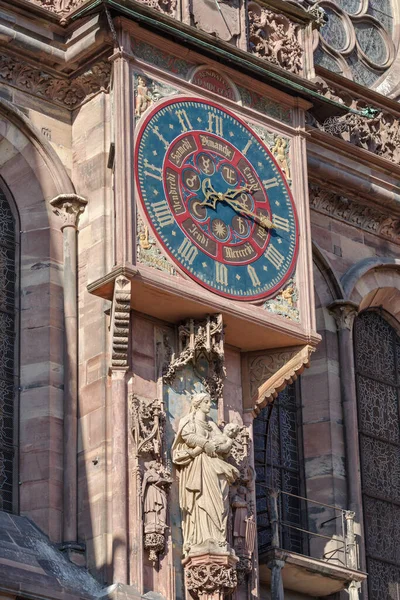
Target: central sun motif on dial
229, 225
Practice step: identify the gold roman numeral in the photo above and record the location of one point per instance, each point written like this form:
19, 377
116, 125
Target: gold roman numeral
281, 223
253, 276
188, 251
274, 256
221, 273
183, 120
163, 213
215, 124
270, 183
154, 172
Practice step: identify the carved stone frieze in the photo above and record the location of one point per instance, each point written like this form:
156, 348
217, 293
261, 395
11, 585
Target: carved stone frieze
60, 7
67, 92
120, 322
271, 372
168, 7
200, 342
354, 213
377, 131
275, 38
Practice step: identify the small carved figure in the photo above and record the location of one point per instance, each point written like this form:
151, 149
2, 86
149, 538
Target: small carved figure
239, 504
144, 239
287, 295
155, 481
143, 97
204, 478
279, 151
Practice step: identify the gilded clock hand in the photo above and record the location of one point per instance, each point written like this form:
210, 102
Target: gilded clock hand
211, 196
231, 194
260, 219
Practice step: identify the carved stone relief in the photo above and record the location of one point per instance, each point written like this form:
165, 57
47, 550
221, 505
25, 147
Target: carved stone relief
285, 304
275, 38
201, 344
153, 472
147, 251
168, 7
354, 213
148, 91
67, 92
378, 131
221, 19
60, 7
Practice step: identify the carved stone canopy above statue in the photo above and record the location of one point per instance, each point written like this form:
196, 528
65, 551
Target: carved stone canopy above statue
200, 343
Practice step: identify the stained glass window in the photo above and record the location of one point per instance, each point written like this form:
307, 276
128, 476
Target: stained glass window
377, 357
356, 40
277, 464
7, 351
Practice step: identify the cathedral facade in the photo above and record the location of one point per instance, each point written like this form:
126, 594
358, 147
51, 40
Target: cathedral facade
200, 299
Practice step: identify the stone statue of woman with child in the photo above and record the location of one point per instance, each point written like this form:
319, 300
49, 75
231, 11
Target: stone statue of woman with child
200, 450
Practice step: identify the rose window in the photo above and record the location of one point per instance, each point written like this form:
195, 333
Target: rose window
356, 40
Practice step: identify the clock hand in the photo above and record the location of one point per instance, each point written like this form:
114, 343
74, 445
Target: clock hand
231, 194
211, 196
260, 219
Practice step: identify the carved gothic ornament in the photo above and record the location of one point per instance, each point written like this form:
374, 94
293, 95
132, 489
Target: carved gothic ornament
377, 132
275, 38
67, 92
201, 343
69, 208
120, 321
354, 213
153, 474
59, 7
344, 312
210, 577
271, 372
148, 418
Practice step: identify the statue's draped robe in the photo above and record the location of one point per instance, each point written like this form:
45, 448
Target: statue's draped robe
155, 504
203, 484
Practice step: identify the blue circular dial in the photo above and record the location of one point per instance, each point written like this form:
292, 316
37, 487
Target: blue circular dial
216, 199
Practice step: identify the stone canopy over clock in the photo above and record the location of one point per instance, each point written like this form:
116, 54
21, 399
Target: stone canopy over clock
216, 199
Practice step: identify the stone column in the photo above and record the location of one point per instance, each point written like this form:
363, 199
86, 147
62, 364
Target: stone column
120, 329
69, 207
345, 313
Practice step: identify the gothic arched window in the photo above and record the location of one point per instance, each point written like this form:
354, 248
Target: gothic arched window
377, 359
278, 466
8, 380
357, 39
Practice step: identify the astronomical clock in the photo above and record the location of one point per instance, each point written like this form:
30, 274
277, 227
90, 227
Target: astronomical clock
216, 199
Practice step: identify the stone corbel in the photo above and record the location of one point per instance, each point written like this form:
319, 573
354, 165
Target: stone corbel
210, 577
271, 372
120, 321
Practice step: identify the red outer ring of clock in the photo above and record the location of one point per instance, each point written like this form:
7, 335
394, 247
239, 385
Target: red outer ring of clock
142, 127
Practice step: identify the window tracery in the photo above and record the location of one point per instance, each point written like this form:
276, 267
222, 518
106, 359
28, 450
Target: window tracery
357, 39
7, 351
277, 464
377, 359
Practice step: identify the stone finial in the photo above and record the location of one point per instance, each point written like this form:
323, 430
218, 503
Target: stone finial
69, 207
344, 312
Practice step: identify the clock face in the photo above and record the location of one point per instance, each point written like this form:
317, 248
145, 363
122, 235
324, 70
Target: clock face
216, 199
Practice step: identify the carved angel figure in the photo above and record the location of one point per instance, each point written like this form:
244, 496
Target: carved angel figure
199, 450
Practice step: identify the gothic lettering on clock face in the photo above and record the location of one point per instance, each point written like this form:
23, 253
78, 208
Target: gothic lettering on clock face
216, 199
